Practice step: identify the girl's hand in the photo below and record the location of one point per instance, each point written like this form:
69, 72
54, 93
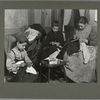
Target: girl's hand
52, 43
55, 43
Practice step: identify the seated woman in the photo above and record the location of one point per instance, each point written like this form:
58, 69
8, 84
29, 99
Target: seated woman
35, 35
18, 63
82, 33
81, 65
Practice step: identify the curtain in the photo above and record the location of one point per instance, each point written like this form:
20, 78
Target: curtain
69, 29
87, 15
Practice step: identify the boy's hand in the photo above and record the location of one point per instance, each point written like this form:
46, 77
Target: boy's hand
29, 64
22, 64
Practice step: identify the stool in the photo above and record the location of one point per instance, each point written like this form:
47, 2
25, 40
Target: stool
45, 63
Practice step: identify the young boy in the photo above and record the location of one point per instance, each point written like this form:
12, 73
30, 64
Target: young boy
18, 61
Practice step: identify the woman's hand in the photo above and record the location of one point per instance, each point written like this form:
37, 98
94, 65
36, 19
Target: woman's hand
75, 37
84, 40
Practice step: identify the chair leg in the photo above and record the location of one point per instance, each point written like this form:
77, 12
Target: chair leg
49, 75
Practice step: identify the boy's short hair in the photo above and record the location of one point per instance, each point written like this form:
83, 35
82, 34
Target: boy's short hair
56, 23
21, 38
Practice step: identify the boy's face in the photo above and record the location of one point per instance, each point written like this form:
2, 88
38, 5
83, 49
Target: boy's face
21, 46
55, 28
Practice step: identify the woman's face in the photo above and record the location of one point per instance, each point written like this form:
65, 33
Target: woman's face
81, 26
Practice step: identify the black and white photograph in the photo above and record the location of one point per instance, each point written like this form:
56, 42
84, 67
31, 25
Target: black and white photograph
50, 45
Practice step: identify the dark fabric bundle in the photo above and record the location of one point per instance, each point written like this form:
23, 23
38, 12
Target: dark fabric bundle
71, 47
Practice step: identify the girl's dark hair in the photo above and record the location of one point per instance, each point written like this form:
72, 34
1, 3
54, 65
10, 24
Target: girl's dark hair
56, 23
83, 20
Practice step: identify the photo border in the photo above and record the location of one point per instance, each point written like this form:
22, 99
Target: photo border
45, 90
